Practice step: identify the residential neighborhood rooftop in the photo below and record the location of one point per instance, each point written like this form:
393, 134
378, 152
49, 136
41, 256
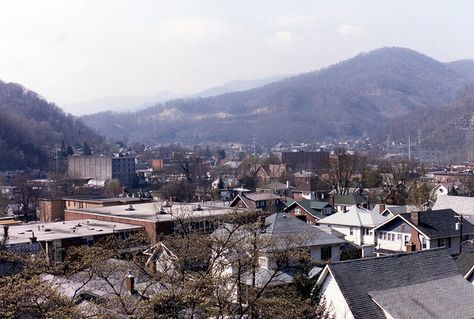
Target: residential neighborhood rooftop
355, 216
412, 277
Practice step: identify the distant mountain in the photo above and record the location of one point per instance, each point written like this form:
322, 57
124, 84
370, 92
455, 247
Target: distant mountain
363, 94
238, 85
30, 128
132, 103
126, 103
465, 68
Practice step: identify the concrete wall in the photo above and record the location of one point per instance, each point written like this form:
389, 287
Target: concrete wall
97, 167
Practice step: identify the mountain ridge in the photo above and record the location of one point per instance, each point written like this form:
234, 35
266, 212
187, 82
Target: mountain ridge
31, 128
344, 99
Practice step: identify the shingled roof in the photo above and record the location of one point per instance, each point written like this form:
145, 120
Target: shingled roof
359, 279
283, 225
440, 223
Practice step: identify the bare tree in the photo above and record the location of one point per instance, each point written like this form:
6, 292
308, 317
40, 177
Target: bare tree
342, 169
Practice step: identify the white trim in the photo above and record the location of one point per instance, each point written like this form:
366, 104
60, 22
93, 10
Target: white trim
230, 205
407, 221
469, 273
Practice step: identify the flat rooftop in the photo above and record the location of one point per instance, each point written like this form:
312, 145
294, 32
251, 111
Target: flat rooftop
151, 211
21, 234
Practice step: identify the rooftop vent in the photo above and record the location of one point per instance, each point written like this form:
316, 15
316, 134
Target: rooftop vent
130, 208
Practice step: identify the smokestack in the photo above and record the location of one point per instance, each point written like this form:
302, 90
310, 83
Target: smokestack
381, 208
415, 217
130, 282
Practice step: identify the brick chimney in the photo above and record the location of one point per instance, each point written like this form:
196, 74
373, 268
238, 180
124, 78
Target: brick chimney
415, 217
415, 239
331, 199
130, 283
381, 208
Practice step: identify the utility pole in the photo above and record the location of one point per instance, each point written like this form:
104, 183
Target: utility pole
388, 144
409, 148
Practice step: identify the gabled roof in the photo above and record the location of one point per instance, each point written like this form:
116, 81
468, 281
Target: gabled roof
312, 207
281, 224
460, 204
442, 298
261, 196
351, 199
465, 263
359, 278
274, 186
355, 216
435, 224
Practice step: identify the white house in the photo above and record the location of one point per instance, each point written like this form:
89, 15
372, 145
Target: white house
397, 286
422, 230
355, 223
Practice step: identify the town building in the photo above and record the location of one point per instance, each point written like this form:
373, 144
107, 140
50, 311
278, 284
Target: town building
56, 237
102, 168
355, 223
52, 209
308, 161
309, 211
262, 201
423, 230
156, 218
422, 285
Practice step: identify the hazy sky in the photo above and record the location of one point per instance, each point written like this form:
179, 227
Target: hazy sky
75, 51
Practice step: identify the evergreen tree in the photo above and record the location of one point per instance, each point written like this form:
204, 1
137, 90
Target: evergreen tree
86, 150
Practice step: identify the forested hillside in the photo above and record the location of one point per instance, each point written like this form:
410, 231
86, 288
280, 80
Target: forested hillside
31, 128
361, 95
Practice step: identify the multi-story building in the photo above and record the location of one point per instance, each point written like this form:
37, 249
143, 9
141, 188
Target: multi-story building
306, 160
103, 168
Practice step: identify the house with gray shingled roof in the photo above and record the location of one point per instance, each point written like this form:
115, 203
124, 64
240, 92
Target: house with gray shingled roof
309, 211
423, 285
422, 230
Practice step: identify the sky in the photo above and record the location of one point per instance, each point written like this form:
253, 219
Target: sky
77, 51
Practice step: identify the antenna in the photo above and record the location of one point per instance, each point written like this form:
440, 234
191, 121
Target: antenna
409, 148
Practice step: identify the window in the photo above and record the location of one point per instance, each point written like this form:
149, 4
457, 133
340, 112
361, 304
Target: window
423, 243
444, 242
326, 253
351, 231
399, 237
407, 239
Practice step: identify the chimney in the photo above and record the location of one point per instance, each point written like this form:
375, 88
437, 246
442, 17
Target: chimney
130, 282
33, 238
331, 199
415, 217
381, 208
411, 247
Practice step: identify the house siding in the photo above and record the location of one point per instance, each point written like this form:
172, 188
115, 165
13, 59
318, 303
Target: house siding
336, 305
